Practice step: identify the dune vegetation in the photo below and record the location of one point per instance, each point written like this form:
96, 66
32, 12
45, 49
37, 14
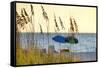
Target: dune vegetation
36, 56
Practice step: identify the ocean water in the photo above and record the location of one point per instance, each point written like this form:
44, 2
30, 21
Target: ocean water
85, 48
87, 41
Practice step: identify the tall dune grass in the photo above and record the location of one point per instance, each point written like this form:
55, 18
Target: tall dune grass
36, 56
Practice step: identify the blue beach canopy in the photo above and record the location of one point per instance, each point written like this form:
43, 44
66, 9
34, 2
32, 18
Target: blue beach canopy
62, 39
59, 39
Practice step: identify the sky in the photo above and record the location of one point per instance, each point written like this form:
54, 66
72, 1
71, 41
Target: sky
85, 17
